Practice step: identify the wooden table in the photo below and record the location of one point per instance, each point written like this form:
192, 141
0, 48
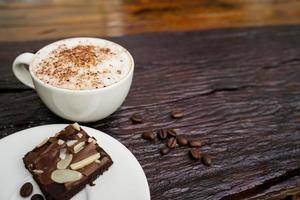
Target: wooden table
239, 89
22, 20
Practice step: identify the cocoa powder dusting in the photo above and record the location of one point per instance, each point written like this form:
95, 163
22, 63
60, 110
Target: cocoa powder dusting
65, 66
80, 56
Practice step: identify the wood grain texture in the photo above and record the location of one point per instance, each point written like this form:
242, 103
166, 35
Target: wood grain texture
240, 92
22, 20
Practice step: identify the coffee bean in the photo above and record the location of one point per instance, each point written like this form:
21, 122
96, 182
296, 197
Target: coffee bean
172, 143
148, 136
177, 114
195, 143
136, 119
26, 189
37, 197
164, 150
195, 153
171, 132
182, 140
162, 134
206, 159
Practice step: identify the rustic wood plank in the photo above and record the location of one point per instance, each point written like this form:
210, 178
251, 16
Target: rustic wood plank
286, 190
34, 20
239, 89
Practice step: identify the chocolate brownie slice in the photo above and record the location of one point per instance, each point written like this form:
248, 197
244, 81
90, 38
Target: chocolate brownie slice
64, 164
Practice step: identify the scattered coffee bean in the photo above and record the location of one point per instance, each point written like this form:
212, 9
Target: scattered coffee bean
171, 132
195, 153
172, 143
182, 140
26, 189
177, 114
173, 140
136, 119
164, 150
206, 159
92, 184
149, 136
37, 197
162, 134
195, 143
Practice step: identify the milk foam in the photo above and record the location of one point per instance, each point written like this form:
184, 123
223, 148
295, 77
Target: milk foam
104, 64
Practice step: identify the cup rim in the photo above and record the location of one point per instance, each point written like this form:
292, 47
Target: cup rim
85, 90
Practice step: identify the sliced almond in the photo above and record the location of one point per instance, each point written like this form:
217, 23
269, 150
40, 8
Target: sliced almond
79, 135
60, 142
38, 171
78, 147
76, 126
65, 175
63, 164
71, 142
42, 143
97, 161
92, 140
62, 153
85, 161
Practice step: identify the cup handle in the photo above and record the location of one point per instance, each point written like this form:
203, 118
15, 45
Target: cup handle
20, 71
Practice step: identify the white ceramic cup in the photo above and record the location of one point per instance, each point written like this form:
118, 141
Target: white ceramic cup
75, 105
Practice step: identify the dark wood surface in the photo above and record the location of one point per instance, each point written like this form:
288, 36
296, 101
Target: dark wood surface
22, 20
240, 90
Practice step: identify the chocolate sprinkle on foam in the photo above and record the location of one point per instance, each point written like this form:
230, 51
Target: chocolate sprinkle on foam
82, 67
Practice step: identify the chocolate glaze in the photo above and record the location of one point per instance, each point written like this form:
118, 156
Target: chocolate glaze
45, 158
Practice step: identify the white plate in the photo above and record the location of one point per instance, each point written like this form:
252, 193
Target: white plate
124, 180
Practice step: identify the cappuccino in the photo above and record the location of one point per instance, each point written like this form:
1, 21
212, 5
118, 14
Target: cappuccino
81, 64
